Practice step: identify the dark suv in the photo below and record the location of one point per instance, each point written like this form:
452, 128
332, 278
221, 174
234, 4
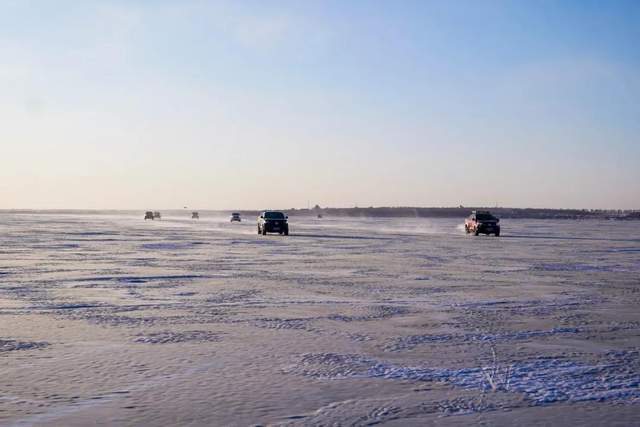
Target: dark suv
273, 222
482, 222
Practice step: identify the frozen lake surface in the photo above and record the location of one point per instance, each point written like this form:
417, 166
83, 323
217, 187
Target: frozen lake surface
111, 320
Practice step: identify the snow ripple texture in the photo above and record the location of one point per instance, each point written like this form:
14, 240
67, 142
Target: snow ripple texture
543, 381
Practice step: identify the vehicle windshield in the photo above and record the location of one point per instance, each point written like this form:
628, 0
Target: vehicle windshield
485, 217
235, 214
274, 215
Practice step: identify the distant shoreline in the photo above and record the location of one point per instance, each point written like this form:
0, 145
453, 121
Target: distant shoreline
377, 212
462, 212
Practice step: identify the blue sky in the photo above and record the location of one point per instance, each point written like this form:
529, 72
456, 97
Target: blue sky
159, 104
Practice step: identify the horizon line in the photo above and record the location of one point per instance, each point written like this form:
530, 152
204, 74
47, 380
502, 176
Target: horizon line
2, 210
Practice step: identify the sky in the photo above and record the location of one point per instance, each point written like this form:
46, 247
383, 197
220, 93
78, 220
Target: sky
280, 104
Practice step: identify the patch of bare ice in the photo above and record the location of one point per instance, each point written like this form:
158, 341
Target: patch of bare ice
170, 337
407, 343
575, 267
13, 345
372, 313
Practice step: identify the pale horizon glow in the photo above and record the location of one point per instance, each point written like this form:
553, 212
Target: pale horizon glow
247, 104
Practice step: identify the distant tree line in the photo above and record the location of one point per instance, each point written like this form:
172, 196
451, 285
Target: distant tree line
385, 212
461, 212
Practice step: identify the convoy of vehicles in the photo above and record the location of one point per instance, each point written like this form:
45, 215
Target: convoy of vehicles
479, 222
273, 222
482, 222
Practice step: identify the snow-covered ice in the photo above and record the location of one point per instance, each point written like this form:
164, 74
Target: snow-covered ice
347, 321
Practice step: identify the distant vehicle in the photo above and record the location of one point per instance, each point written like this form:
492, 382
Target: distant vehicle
319, 216
273, 222
235, 217
156, 215
195, 215
482, 222
148, 215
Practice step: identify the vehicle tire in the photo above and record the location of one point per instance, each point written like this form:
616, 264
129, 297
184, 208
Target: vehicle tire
497, 234
280, 233
286, 232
